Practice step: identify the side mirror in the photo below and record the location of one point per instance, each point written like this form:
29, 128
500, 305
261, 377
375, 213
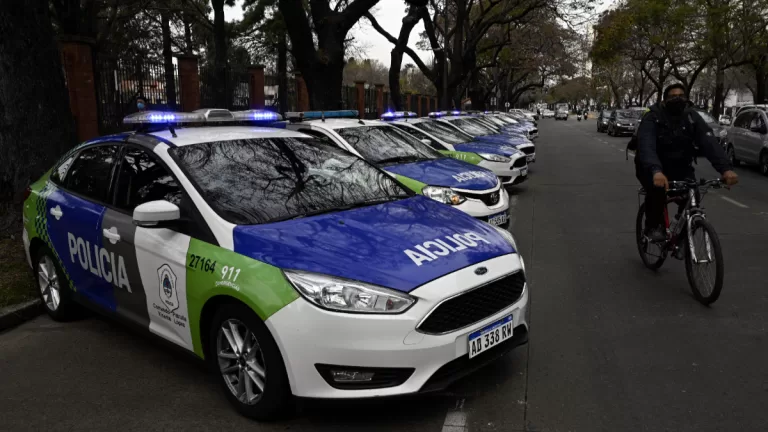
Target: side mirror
427, 141
156, 214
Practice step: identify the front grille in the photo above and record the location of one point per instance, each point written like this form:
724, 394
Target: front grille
519, 163
474, 305
527, 150
487, 198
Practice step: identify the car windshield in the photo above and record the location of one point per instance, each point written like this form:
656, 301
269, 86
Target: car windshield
256, 181
495, 120
706, 117
443, 132
607, 114
506, 120
387, 145
629, 114
471, 127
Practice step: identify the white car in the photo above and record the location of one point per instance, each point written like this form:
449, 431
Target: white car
472, 189
507, 162
481, 130
547, 113
527, 114
561, 115
292, 267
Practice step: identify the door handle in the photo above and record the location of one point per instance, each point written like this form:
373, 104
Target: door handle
56, 212
111, 235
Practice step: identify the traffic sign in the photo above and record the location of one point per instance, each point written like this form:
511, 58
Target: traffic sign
506, 104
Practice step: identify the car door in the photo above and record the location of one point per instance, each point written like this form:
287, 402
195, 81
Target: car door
738, 136
74, 212
156, 258
756, 136
751, 139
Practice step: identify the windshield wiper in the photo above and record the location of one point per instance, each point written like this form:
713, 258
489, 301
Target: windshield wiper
398, 159
351, 206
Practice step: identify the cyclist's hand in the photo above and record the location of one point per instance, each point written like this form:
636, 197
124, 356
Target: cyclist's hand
730, 178
660, 180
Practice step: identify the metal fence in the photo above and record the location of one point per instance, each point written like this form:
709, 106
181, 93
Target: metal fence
236, 88
119, 82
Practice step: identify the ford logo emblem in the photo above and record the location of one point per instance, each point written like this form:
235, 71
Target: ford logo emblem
481, 271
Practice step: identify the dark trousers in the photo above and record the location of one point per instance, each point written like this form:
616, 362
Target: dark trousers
655, 197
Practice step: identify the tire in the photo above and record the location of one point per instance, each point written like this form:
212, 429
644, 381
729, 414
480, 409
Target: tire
731, 152
265, 364
717, 253
53, 288
609, 131
764, 163
648, 261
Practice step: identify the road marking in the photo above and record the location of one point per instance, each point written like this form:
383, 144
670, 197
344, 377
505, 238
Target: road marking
456, 420
734, 202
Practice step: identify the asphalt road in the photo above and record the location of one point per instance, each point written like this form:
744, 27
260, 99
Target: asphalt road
614, 347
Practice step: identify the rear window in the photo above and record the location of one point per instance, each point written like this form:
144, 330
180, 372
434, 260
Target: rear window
630, 114
257, 181
387, 145
472, 128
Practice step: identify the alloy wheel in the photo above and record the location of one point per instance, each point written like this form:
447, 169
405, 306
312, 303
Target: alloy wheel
241, 361
48, 282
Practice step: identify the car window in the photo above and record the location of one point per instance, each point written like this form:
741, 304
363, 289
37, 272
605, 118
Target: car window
59, 173
495, 120
264, 180
91, 173
706, 117
319, 135
743, 120
471, 127
386, 144
443, 132
420, 135
629, 114
757, 121
141, 179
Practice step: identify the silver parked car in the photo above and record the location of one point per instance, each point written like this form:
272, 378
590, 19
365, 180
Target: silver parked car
748, 139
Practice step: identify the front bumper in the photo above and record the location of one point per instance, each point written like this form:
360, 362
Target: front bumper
624, 129
308, 336
507, 172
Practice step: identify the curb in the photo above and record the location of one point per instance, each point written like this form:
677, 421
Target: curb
12, 316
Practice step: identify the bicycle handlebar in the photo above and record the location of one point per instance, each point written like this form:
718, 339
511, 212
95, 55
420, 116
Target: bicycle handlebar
688, 184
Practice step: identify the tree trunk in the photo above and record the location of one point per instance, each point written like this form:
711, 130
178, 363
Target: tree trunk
324, 81
170, 79
187, 33
219, 83
36, 125
761, 81
396, 58
282, 74
719, 96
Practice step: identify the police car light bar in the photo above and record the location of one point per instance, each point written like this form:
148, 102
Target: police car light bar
256, 115
159, 117
397, 115
215, 115
311, 115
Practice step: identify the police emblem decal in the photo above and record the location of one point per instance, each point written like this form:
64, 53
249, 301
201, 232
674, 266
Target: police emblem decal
167, 287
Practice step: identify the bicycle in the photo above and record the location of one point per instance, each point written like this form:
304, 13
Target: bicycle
689, 220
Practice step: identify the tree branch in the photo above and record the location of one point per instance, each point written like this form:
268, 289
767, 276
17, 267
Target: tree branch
406, 49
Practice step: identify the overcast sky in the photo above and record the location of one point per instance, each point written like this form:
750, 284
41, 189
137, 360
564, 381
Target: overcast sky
389, 14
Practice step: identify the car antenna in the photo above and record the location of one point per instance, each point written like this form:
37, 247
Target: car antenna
322, 116
361, 122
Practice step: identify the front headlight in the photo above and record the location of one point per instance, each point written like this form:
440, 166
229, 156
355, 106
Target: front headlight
493, 157
343, 295
443, 194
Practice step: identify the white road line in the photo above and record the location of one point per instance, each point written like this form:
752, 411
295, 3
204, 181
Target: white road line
734, 202
456, 421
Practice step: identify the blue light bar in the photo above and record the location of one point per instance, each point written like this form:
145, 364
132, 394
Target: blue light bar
389, 115
257, 115
159, 117
434, 114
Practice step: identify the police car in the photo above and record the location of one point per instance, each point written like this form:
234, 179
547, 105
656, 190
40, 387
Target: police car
507, 162
515, 123
482, 131
292, 267
470, 188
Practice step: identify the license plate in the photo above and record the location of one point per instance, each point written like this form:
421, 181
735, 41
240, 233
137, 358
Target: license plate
524, 171
490, 336
498, 219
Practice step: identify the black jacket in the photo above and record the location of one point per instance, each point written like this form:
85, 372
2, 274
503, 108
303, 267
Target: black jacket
664, 142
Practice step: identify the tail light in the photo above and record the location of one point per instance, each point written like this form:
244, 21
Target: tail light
27, 192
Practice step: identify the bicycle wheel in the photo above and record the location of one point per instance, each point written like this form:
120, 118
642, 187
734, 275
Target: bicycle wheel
652, 254
706, 287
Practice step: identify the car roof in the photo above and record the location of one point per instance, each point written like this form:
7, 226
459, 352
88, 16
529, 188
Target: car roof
196, 135
333, 124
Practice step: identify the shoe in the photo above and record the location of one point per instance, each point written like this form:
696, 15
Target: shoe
656, 235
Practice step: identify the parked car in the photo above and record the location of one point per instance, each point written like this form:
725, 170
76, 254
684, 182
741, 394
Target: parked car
720, 131
529, 115
748, 139
602, 120
623, 121
548, 113
561, 115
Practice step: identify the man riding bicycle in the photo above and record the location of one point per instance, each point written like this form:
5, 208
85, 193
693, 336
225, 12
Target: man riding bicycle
668, 140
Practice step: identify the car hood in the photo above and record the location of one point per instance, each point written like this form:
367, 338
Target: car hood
487, 147
387, 244
447, 172
505, 139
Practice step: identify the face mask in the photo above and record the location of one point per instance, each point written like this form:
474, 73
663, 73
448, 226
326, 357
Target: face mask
140, 106
675, 105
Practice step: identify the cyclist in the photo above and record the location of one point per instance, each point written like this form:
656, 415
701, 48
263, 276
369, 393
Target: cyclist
669, 138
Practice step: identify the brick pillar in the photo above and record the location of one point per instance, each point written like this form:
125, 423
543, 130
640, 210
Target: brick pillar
256, 86
77, 59
418, 105
434, 103
407, 96
189, 82
360, 88
380, 99
302, 96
